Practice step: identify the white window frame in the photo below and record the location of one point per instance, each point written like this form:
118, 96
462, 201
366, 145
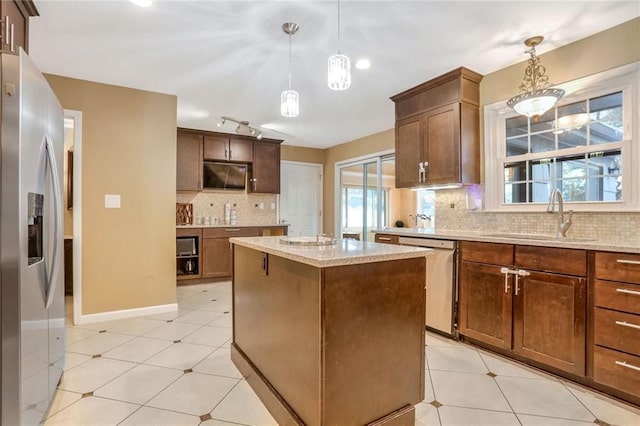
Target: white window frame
626, 79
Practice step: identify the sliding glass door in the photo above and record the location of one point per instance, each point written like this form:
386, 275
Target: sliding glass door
364, 200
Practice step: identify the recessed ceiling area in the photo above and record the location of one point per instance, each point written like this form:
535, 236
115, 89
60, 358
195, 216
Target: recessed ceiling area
230, 58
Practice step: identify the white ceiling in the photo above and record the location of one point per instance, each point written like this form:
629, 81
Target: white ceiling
231, 57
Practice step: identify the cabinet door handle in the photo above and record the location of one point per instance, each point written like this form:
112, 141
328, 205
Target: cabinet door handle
384, 238
625, 364
226, 151
7, 31
629, 262
624, 290
232, 229
13, 49
628, 324
505, 271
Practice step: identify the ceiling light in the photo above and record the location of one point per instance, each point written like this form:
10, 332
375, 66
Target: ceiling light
221, 123
289, 99
142, 3
363, 64
339, 66
536, 96
259, 135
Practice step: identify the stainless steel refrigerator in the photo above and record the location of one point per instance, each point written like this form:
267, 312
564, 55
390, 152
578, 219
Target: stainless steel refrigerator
31, 242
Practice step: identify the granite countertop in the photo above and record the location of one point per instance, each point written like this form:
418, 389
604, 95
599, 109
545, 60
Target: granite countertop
630, 245
273, 225
344, 252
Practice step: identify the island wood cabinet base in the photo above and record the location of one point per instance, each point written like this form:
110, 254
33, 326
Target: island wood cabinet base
340, 345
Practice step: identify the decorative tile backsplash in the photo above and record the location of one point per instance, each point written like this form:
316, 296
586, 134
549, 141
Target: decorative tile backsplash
602, 226
211, 205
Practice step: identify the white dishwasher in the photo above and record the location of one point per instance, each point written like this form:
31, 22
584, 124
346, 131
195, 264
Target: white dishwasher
441, 282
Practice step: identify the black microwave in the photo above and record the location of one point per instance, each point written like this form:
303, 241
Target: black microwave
225, 176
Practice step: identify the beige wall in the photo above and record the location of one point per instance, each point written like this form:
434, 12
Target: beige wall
302, 154
377, 142
128, 148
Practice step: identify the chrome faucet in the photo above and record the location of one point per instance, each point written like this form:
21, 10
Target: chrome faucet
421, 216
562, 226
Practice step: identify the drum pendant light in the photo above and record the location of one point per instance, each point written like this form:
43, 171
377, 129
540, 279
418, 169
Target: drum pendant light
289, 99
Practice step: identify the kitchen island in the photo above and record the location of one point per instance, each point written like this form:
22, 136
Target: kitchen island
330, 335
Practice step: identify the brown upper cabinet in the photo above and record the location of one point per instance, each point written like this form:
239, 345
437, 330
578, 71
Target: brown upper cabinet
265, 172
437, 126
228, 149
195, 146
15, 24
189, 162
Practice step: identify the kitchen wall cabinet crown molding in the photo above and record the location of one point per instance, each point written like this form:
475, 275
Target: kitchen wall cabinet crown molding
262, 155
15, 24
438, 131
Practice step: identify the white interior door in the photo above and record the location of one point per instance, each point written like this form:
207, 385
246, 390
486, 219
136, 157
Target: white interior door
301, 197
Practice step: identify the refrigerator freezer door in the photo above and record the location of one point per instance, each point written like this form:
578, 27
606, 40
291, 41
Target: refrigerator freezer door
32, 335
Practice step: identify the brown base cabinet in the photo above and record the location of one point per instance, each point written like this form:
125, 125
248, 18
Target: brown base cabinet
539, 315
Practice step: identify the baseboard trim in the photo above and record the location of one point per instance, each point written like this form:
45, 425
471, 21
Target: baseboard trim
125, 313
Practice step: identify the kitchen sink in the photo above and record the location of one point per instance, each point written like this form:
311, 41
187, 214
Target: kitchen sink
539, 237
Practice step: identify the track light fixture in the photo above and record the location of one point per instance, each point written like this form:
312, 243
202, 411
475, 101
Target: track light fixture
242, 128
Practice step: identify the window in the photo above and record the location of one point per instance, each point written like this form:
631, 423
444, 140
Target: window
584, 147
353, 207
426, 204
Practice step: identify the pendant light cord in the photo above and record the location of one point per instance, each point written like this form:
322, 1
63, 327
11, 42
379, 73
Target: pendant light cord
338, 26
289, 61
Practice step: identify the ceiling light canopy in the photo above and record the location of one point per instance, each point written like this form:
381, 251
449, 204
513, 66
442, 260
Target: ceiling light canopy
536, 96
363, 64
289, 99
339, 66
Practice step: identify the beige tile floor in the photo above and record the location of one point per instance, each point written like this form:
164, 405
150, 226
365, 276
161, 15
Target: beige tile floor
174, 369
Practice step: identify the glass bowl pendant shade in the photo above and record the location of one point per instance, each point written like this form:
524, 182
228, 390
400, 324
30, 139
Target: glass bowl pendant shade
536, 96
339, 75
289, 103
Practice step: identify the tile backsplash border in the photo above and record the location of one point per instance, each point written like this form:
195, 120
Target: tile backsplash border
451, 213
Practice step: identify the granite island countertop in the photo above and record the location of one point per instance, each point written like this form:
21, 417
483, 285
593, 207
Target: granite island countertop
344, 252
628, 245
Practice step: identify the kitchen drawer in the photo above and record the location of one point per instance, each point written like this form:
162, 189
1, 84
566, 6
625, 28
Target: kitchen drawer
618, 267
387, 239
188, 232
617, 330
619, 296
230, 232
616, 369
551, 259
492, 253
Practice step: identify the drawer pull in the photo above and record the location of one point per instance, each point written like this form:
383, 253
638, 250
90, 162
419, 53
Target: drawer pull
629, 262
384, 238
232, 230
624, 364
624, 290
627, 324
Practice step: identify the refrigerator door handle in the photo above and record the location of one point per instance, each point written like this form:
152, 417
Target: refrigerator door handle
53, 167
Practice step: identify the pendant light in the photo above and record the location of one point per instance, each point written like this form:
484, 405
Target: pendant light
339, 66
536, 97
289, 99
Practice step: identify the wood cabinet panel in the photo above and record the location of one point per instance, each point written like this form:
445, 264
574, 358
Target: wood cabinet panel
19, 19
618, 370
216, 148
265, 169
485, 308
241, 150
230, 232
216, 258
493, 253
615, 295
441, 148
552, 259
617, 330
408, 152
618, 267
189, 162
549, 320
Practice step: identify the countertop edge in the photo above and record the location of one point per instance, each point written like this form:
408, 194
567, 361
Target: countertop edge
289, 253
231, 226
467, 235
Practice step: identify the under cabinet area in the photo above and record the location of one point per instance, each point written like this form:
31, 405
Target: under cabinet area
522, 300
437, 138
261, 158
616, 322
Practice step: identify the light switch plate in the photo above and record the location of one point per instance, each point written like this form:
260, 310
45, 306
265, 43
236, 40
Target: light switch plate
111, 201
273, 206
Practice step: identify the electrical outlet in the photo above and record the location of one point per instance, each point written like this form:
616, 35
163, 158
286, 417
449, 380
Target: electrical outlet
261, 206
111, 201
452, 206
273, 206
